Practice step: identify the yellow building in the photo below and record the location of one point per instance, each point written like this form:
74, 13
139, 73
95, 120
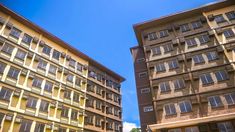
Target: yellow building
43, 79
184, 68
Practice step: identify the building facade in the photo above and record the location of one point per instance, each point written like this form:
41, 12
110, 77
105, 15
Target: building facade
184, 70
44, 81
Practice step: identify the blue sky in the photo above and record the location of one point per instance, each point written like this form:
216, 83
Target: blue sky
101, 29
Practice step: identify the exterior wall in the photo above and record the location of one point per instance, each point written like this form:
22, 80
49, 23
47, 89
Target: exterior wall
202, 116
103, 97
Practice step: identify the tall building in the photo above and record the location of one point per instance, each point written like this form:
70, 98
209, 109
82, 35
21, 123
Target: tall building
184, 70
44, 81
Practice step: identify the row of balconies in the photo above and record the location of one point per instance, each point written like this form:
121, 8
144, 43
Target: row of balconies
189, 107
41, 48
94, 121
18, 122
189, 44
100, 93
30, 81
34, 63
103, 80
34, 105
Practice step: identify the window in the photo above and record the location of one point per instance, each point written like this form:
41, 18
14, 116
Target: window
5, 94
221, 75
109, 110
97, 121
76, 97
13, 73
142, 74
179, 84
148, 108
204, 39
173, 64
25, 125
206, 79
65, 111
198, 59
74, 114
191, 42
70, 78
37, 82
90, 102
110, 125
196, 24
152, 36
160, 67
20, 54
67, 94
2, 67
215, 101
98, 104
31, 102
184, 28
42, 64
164, 87
62, 129
167, 48
192, 129
140, 60
219, 19
116, 112
115, 98
212, 56
98, 90
175, 130
44, 106
72, 63
156, 50
145, 90
52, 69
46, 49
7, 48
56, 54
48, 86
89, 119
78, 81
230, 15
39, 127
163, 33
225, 127
185, 106
170, 109
228, 33
15, 32
109, 83
26, 39
116, 126
109, 96
79, 67
230, 98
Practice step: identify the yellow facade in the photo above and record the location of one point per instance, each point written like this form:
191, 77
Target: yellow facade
43, 82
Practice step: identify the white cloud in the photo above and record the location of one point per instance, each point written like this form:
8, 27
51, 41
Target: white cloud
127, 126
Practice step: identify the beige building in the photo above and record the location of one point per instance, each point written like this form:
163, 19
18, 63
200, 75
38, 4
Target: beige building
44, 82
184, 70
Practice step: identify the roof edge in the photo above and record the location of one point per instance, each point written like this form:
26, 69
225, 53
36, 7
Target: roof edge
59, 41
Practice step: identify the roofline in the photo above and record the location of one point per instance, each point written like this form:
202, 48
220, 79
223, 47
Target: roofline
59, 41
138, 27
